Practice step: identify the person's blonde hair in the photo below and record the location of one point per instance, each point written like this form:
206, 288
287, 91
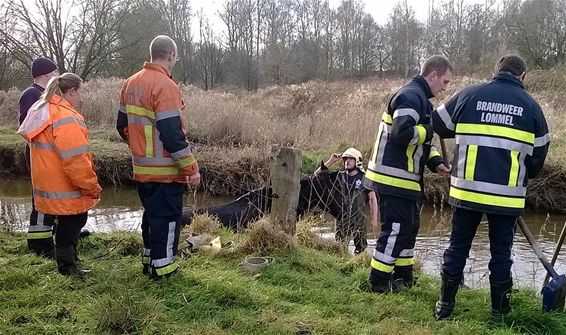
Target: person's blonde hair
60, 85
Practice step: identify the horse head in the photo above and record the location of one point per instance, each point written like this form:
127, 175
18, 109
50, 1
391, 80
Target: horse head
322, 190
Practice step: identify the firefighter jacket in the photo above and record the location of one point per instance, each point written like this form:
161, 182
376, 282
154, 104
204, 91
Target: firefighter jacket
150, 121
62, 170
402, 147
501, 141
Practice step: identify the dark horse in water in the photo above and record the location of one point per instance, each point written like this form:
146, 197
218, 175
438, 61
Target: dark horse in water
318, 191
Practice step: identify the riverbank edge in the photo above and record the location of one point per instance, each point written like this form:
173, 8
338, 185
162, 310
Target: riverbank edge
233, 171
305, 291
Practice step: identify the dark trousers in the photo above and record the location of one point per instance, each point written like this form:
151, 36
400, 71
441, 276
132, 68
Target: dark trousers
68, 229
400, 222
501, 231
352, 228
41, 226
161, 225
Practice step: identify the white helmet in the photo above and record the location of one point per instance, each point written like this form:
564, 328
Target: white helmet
355, 154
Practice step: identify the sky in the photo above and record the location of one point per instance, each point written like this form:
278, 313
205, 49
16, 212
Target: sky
379, 9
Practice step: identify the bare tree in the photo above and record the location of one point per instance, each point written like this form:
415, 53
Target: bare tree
209, 57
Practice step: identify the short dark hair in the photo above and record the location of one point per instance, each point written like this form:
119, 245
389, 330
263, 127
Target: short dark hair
437, 63
513, 64
161, 46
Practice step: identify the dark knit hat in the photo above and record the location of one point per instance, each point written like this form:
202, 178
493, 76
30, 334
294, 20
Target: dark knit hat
41, 66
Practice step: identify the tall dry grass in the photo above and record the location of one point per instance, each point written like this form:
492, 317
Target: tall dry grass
313, 115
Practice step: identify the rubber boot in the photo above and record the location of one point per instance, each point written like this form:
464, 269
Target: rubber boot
501, 298
380, 281
65, 258
403, 277
447, 299
43, 247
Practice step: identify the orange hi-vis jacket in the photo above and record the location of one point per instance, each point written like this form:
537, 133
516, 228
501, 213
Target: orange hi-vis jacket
150, 120
62, 170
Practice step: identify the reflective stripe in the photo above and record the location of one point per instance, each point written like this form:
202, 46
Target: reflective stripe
186, 162
39, 235
493, 142
407, 253
393, 181
415, 139
167, 114
410, 163
57, 195
417, 157
543, 140
481, 186
422, 133
40, 218
139, 120
407, 111
181, 153
146, 260
471, 161
167, 161
387, 118
445, 117
148, 131
156, 170
498, 131
376, 144
514, 170
73, 152
170, 240
522, 170
162, 262
485, 199
433, 153
130, 109
146, 252
383, 257
392, 171
461, 161
44, 145
165, 270
66, 120
404, 261
39, 227
382, 143
381, 266
122, 109
395, 229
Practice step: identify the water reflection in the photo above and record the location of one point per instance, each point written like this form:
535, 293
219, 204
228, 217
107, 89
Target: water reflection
120, 209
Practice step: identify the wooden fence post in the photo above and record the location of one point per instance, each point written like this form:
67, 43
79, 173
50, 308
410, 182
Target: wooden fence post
285, 169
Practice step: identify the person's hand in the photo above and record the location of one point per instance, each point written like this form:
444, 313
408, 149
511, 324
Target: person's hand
444, 170
194, 180
334, 158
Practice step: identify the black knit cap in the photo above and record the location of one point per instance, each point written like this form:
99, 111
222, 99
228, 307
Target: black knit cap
41, 66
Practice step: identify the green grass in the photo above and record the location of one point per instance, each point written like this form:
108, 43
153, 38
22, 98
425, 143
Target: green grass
303, 292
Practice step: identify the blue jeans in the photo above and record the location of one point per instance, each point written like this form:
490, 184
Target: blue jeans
501, 231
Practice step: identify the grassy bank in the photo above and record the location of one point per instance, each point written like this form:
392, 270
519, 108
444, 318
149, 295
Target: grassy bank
305, 291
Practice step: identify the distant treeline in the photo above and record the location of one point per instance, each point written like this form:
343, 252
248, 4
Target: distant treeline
266, 42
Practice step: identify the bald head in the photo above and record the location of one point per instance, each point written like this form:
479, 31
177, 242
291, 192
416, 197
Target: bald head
161, 47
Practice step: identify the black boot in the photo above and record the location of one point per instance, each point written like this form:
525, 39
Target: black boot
501, 298
403, 277
43, 247
447, 299
380, 281
65, 258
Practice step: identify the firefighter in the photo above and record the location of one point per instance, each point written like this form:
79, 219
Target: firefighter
63, 176
150, 120
395, 172
352, 221
41, 225
500, 123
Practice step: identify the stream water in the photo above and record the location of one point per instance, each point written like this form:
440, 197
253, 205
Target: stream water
120, 209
